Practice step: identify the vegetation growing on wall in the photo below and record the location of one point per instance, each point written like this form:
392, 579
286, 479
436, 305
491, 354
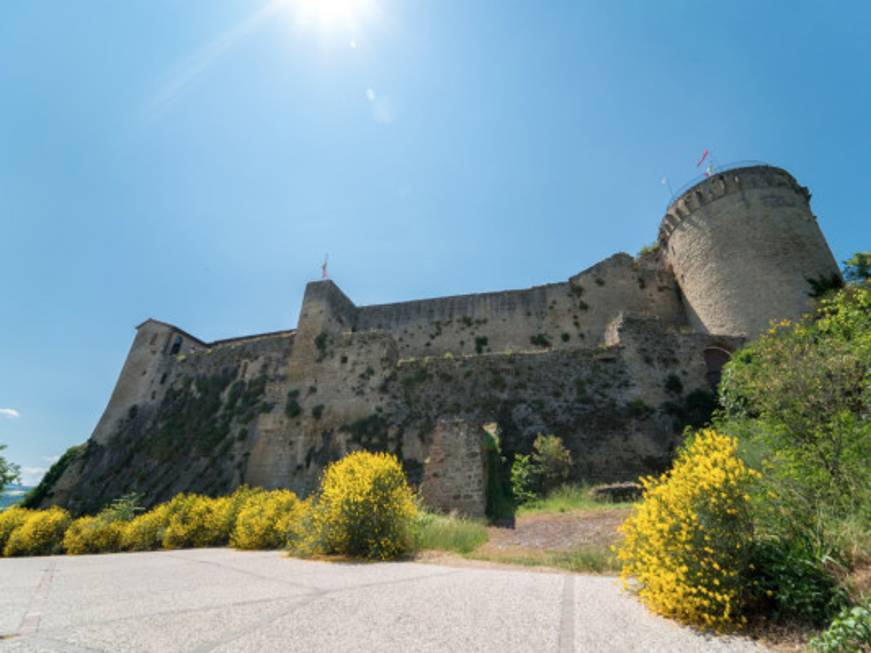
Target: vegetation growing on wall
369, 432
195, 415
694, 410
673, 384
38, 494
291, 407
321, 341
824, 284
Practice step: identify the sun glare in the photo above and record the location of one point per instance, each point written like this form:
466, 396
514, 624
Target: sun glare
331, 13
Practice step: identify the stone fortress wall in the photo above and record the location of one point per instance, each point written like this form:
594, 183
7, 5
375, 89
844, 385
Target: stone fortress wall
616, 360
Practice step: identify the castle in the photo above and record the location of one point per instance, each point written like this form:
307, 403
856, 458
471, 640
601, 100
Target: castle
616, 360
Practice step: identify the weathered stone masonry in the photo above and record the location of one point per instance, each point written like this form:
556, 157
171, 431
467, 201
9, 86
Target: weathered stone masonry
615, 360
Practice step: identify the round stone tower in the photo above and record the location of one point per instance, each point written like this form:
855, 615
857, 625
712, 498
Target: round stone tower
742, 245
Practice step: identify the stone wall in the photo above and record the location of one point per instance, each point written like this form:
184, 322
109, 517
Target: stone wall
555, 316
455, 471
612, 361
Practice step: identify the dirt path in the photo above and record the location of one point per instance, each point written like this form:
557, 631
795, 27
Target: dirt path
559, 531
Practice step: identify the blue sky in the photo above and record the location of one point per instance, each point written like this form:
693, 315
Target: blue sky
194, 161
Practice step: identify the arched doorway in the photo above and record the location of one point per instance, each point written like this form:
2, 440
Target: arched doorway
715, 359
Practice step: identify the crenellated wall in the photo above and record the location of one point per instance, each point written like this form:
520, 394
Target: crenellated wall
550, 317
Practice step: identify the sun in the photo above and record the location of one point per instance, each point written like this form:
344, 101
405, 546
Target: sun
328, 14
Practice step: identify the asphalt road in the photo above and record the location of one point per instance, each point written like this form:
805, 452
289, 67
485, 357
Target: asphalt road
224, 600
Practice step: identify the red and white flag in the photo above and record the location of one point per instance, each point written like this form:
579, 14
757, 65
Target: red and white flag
704, 156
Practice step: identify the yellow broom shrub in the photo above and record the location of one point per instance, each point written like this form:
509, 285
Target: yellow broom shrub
93, 535
10, 519
687, 542
196, 521
41, 533
364, 508
145, 532
269, 520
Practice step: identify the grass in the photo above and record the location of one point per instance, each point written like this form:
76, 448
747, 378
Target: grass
591, 559
567, 499
468, 537
449, 533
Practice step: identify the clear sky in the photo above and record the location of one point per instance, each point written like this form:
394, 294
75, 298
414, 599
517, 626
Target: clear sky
194, 161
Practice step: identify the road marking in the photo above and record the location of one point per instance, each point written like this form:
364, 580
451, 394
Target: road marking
30, 622
567, 616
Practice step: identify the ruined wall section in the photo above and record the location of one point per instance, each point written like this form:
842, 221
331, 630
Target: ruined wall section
551, 317
455, 471
742, 245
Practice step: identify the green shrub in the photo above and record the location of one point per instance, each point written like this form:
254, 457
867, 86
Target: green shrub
449, 533
42, 533
124, 508
10, 519
802, 390
93, 535
799, 398
849, 632
552, 461
524, 479
269, 520
787, 581
364, 508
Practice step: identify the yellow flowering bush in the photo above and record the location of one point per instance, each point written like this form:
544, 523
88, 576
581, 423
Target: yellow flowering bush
196, 521
10, 519
145, 532
364, 508
269, 520
93, 535
41, 533
687, 542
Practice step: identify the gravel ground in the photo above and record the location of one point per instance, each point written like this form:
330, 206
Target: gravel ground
559, 531
224, 600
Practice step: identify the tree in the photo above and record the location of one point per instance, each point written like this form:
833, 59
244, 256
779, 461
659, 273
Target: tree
9, 472
801, 394
857, 268
552, 461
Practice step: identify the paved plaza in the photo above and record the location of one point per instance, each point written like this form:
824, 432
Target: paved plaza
225, 600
